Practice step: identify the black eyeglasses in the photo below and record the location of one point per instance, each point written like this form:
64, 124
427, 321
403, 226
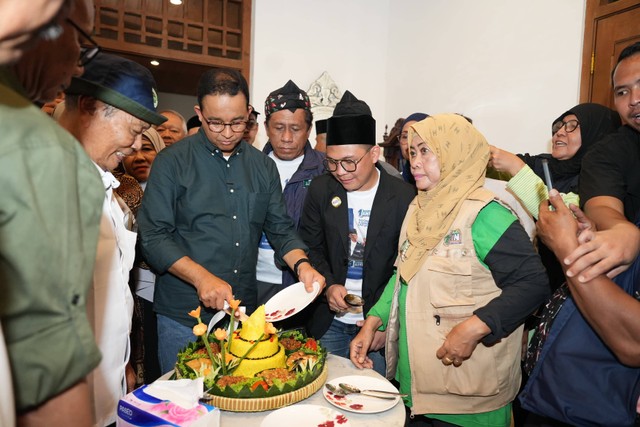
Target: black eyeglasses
218, 126
348, 165
87, 53
569, 126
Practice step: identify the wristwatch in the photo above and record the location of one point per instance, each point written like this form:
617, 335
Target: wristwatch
300, 261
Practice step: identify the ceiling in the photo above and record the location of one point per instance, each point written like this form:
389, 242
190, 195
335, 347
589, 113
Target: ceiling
171, 76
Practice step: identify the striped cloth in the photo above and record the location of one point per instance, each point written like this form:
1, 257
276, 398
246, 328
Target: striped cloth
531, 190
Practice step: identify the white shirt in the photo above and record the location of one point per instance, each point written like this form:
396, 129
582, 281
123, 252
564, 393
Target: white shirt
359, 205
110, 304
266, 270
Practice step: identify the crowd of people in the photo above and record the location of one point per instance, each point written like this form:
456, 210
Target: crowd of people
117, 219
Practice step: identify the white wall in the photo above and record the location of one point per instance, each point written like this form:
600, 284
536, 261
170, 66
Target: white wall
299, 39
183, 104
511, 65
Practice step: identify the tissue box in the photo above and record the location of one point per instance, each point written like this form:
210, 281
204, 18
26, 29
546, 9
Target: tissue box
140, 409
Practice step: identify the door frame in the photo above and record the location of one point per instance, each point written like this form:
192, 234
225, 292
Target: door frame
596, 10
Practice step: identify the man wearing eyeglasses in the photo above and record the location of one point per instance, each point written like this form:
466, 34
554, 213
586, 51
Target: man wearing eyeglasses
51, 202
288, 121
251, 130
207, 202
357, 205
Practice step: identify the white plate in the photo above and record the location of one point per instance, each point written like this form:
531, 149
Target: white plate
305, 415
358, 402
289, 301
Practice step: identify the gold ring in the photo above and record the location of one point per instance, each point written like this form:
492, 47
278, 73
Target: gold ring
446, 359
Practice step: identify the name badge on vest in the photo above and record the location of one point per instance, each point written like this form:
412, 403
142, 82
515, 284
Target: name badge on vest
453, 238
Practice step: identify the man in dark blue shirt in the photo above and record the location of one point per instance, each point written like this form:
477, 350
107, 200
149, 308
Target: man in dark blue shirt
207, 202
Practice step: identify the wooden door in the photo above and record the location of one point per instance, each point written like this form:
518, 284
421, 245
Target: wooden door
611, 25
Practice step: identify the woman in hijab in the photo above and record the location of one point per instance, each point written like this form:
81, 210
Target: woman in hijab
404, 145
467, 278
144, 337
573, 134
138, 164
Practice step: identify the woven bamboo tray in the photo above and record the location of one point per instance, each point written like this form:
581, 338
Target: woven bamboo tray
269, 403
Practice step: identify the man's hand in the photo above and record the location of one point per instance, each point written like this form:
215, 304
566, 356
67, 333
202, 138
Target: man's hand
335, 297
504, 161
462, 341
213, 291
361, 344
607, 252
558, 228
309, 275
306, 273
584, 223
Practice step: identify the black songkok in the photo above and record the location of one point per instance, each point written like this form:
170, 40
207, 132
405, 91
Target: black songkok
351, 123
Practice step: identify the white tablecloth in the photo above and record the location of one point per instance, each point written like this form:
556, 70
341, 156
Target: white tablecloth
338, 367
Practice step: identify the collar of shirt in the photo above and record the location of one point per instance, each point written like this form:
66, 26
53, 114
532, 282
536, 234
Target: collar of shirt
108, 180
213, 148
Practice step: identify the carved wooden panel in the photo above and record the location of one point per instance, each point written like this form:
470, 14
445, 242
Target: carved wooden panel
209, 32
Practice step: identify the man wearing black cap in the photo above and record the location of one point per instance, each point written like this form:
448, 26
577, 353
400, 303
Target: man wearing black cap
288, 120
207, 202
107, 110
359, 198
193, 125
321, 135
251, 130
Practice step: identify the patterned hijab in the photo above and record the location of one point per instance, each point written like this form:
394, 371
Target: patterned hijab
463, 154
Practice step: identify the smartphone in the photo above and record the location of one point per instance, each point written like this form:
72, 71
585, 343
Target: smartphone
547, 174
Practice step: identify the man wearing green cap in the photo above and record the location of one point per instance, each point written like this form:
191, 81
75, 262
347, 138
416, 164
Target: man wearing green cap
351, 221
288, 121
107, 110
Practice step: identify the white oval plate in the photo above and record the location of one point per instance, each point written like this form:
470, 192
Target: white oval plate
360, 403
289, 301
308, 415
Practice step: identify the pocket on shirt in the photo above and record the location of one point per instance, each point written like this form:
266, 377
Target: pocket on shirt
477, 376
258, 206
450, 284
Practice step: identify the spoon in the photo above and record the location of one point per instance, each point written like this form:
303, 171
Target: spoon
335, 390
349, 389
354, 300
340, 391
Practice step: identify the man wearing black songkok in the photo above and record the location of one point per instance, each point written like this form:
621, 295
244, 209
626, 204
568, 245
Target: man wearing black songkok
357, 205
